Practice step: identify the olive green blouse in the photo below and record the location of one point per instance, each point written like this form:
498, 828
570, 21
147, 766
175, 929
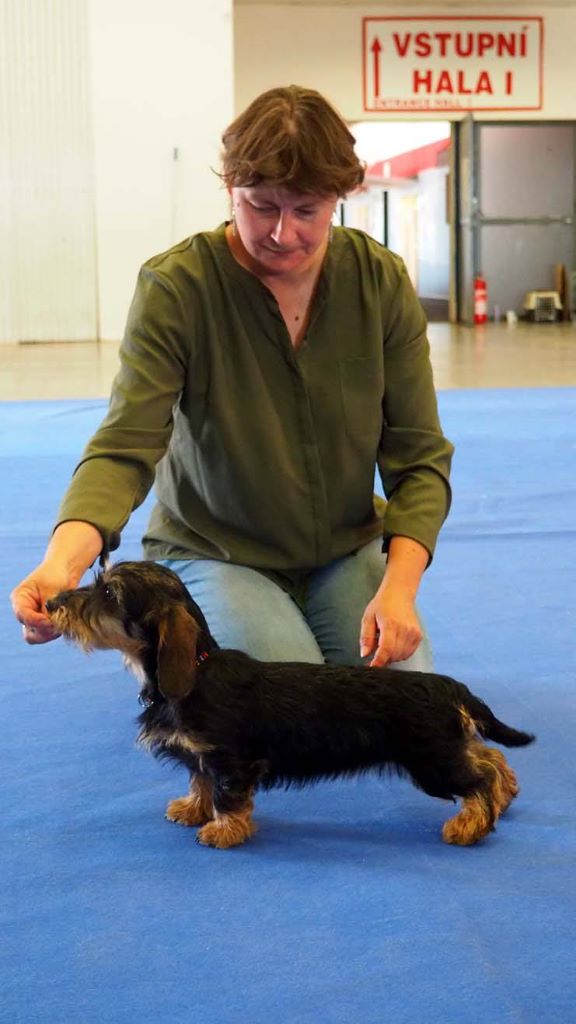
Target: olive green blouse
264, 455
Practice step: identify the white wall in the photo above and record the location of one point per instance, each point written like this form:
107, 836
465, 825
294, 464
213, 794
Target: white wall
321, 47
159, 77
47, 235
162, 79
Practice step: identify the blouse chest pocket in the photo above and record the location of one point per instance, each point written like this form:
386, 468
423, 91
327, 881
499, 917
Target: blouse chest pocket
361, 389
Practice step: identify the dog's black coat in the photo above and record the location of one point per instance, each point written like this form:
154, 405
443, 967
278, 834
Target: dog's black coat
296, 726
245, 724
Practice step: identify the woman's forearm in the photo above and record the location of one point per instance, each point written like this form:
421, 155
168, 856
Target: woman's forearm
406, 563
74, 545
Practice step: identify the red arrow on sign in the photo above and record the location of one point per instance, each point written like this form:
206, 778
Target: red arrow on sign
376, 50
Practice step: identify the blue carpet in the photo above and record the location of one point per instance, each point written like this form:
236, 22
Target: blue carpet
346, 908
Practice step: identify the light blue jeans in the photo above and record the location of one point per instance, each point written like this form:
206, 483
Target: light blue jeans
249, 612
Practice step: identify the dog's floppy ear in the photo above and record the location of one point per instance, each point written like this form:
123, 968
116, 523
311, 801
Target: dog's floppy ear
176, 657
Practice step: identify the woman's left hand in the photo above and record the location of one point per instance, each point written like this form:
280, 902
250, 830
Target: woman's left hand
390, 629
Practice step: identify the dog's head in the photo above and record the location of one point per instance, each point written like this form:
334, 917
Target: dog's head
143, 610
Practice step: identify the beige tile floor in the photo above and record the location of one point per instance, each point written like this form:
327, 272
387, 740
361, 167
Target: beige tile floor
494, 355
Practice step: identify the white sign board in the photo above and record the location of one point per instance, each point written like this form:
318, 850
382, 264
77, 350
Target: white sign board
445, 63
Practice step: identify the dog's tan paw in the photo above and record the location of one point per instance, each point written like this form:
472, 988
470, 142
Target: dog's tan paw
186, 810
466, 828
226, 832
473, 822
452, 832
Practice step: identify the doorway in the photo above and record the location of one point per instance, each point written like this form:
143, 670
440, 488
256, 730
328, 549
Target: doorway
515, 203
404, 201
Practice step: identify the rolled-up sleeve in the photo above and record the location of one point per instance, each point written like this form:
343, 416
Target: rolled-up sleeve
414, 457
117, 468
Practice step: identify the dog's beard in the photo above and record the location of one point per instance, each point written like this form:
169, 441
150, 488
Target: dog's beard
96, 632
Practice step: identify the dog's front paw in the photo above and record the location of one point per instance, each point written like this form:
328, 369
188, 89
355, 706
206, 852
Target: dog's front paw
187, 810
226, 831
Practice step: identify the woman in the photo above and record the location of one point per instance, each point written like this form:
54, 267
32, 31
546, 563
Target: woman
267, 368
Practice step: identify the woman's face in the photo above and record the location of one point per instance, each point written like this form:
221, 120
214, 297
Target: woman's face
282, 231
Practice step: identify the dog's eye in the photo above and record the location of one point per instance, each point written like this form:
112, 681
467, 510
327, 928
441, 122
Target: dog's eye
109, 594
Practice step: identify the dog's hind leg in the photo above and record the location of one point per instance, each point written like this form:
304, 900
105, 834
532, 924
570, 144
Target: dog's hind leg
482, 807
506, 788
472, 823
198, 807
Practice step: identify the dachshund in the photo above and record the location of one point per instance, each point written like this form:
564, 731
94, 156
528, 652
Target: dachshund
238, 724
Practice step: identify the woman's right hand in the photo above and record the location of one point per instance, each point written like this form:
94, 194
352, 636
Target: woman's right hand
74, 546
30, 596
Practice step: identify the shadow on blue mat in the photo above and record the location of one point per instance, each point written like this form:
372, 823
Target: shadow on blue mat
346, 907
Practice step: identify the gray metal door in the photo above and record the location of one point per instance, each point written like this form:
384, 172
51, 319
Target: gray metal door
525, 214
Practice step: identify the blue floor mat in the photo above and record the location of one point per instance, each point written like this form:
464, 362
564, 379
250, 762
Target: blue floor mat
346, 908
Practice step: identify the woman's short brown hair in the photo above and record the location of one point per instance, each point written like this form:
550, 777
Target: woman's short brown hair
293, 137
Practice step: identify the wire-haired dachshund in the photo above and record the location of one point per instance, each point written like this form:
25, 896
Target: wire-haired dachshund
238, 724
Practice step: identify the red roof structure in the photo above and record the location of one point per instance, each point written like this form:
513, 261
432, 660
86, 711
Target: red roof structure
409, 165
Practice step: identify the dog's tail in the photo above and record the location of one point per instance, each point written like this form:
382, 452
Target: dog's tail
491, 728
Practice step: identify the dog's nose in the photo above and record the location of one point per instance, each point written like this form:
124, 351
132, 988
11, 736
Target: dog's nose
53, 603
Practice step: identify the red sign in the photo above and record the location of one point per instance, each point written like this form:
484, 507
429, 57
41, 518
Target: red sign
446, 64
